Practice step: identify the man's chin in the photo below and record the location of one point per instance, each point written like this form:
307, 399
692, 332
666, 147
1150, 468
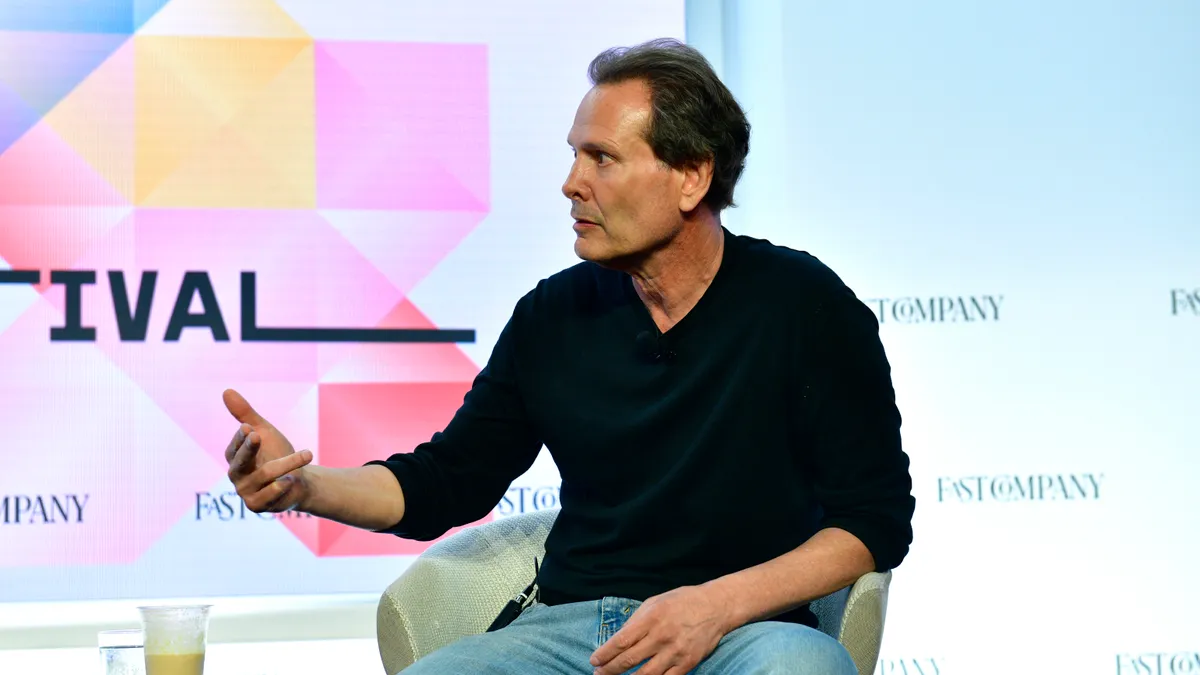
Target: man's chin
602, 255
591, 250
585, 249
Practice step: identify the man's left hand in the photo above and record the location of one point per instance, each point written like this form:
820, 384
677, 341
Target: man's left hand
672, 633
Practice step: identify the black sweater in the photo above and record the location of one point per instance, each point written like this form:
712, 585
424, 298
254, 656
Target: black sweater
769, 415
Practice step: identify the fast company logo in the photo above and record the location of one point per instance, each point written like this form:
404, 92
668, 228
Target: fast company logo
525, 499
42, 509
1159, 663
1041, 487
928, 665
1185, 302
228, 506
937, 309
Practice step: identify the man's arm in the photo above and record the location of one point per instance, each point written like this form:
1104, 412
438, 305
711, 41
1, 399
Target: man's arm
455, 478
459, 475
366, 497
682, 627
846, 413
828, 562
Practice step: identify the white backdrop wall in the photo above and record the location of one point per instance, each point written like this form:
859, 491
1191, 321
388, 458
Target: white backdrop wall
1015, 190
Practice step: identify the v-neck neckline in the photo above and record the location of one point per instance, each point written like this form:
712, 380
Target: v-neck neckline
707, 298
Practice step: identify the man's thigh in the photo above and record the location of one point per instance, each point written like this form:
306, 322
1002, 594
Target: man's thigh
555, 640
775, 648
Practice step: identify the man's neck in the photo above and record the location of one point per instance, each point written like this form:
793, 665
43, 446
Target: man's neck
672, 280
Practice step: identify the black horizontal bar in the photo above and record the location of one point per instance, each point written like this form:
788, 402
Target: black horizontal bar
20, 277
403, 335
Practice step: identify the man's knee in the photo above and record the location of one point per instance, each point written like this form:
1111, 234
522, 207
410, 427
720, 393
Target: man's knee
834, 660
776, 648
475, 653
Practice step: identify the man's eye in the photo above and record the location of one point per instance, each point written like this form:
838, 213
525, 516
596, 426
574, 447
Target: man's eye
603, 158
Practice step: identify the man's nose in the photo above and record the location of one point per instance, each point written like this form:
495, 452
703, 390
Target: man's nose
575, 187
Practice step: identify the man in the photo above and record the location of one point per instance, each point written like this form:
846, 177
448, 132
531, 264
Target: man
720, 410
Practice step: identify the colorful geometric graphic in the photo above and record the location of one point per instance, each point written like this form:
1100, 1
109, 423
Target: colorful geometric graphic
171, 147
224, 123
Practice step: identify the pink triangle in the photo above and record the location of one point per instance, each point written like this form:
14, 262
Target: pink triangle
303, 527
52, 237
41, 168
402, 127
404, 245
361, 422
417, 362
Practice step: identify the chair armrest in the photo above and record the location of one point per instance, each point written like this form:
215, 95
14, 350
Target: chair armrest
458, 586
861, 632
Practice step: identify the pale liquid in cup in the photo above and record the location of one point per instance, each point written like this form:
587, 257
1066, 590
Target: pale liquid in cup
175, 639
175, 664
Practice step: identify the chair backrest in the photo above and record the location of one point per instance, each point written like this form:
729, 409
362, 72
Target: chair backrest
458, 586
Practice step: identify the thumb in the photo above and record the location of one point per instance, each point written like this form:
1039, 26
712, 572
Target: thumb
241, 410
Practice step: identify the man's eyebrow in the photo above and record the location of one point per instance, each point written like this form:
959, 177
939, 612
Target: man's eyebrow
595, 146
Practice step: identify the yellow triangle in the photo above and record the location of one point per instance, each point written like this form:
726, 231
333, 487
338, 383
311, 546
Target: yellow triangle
279, 124
189, 88
264, 156
173, 120
226, 173
259, 155
224, 72
224, 18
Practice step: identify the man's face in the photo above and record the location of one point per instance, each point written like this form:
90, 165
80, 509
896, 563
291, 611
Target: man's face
626, 203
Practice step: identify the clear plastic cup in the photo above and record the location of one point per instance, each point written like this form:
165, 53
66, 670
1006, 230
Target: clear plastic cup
121, 651
175, 638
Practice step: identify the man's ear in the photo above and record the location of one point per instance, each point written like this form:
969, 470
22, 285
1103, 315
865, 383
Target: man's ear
697, 178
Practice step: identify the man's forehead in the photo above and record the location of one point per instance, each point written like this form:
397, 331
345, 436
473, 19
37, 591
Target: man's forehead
611, 114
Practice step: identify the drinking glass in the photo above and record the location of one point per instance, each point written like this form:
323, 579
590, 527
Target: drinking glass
121, 652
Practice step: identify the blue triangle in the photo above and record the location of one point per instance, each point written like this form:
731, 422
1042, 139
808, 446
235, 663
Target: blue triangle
50, 66
67, 16
16, 117
144, 10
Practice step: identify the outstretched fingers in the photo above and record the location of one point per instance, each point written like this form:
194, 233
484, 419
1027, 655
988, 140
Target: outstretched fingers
277, 468
242, 463
267, 487
236, 442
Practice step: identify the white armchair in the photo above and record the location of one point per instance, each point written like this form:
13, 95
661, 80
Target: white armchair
458, 586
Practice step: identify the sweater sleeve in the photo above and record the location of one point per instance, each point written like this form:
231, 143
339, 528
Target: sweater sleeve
851, 424
460, 475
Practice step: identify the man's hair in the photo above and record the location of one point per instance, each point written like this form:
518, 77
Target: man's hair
694, 117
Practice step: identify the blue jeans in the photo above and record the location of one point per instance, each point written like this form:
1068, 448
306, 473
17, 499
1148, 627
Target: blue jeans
561, 639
